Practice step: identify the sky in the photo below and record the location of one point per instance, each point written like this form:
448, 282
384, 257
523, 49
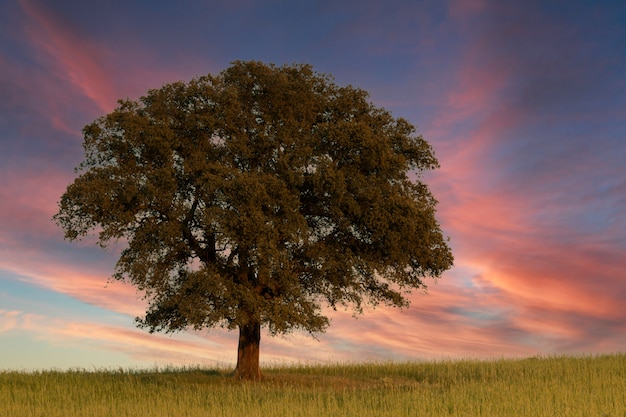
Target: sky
524, 104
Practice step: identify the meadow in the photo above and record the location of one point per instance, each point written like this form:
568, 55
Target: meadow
590, 386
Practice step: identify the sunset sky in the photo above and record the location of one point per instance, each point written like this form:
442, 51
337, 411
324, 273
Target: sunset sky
524, 103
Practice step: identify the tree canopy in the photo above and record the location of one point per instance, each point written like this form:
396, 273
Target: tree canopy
254, 198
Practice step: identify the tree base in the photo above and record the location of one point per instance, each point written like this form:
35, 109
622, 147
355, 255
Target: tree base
247, 375
248, 353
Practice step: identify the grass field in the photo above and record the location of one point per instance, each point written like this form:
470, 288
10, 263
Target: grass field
559, 386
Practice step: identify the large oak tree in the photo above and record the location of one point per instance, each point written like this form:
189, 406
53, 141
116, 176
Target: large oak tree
254, 198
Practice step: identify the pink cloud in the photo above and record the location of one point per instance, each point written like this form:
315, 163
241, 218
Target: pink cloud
553, 274
137, 344
435, 326
29, 199
31, 245
80, 61
495, 233
90, 285
8, 320
90, 66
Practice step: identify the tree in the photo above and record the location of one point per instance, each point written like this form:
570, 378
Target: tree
254, 198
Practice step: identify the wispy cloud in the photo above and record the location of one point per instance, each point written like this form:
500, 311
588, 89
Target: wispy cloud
8, 320
141, 346
519, 191
78, 60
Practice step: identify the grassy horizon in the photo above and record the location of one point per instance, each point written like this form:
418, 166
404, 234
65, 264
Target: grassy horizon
567, 386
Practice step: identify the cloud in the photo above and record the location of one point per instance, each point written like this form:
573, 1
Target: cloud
77, 56
9, 320
426, 332
78, 60
139, 345
85, 282
529, 200
29, 199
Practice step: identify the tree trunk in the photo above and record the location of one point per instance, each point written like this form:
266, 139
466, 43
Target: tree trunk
248, 352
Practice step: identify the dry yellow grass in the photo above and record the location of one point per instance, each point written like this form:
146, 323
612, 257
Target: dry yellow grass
560, 386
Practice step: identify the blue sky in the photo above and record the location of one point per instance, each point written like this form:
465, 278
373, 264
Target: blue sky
523, 102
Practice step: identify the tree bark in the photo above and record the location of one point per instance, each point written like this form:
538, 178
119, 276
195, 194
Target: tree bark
248, 352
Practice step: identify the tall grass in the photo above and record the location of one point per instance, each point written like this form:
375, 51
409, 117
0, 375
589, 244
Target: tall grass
558, 386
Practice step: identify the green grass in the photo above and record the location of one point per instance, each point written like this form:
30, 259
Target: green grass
559, 386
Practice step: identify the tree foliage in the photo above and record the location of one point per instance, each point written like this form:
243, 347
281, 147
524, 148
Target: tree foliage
255, 197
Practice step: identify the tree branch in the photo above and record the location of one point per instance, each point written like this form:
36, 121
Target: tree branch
206, 254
